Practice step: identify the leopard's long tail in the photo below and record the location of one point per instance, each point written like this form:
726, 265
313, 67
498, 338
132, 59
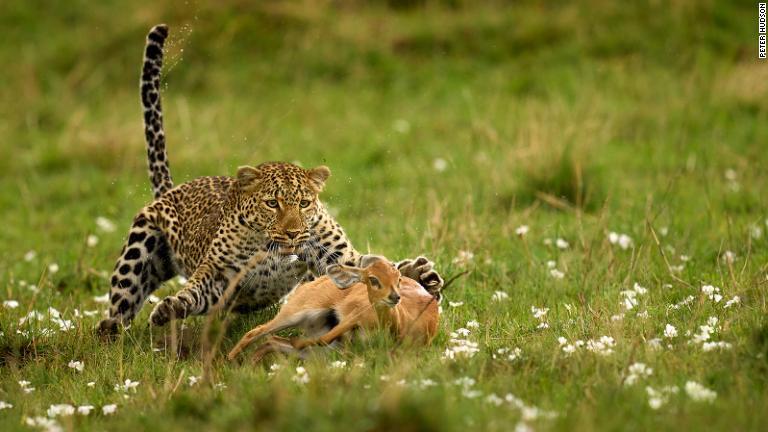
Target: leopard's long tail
159, 170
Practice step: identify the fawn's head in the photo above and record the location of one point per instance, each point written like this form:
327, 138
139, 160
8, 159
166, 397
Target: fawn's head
379, 275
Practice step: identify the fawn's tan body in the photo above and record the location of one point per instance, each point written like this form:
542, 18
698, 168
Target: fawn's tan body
347, 298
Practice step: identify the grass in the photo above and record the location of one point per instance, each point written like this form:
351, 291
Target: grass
576, 120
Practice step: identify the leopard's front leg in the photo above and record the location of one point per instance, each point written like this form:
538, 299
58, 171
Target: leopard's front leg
202, 291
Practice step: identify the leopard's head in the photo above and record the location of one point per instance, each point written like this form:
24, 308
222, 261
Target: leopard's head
281, 200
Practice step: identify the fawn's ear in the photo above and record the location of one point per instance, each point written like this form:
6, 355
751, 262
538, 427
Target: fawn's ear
248, 176
317, 177
367, 260
343, 276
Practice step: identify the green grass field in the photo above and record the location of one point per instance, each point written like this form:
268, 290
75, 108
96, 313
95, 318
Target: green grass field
447, 127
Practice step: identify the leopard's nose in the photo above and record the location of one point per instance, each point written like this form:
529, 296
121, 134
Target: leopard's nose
292, 234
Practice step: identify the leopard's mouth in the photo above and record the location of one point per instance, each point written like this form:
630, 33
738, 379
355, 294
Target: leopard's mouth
284, 247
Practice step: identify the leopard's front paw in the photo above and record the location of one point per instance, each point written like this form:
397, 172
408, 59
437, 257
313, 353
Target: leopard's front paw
168, 309
422, 270
109, 327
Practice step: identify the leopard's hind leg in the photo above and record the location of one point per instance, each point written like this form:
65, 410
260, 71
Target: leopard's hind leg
144, 264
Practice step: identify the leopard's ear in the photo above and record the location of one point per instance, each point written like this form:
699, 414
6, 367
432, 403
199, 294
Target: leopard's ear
317, 177
248, 176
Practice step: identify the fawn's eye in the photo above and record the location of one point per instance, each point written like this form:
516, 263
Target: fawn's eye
375, 282
304, 203
271, 203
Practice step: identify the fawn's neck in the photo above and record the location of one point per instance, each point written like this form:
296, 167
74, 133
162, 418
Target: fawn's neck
388, 317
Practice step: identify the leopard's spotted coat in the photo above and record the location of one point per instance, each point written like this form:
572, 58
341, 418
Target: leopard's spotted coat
209, 228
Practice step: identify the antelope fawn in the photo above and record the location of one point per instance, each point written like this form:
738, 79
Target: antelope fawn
373, 295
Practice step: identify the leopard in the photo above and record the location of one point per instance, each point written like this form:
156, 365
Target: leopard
209, 229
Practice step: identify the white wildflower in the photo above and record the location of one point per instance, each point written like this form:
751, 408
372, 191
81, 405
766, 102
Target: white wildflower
630, 299
670, 331
105, 224
76, 365
705, 332
562, 341
515, 354
654, 343
128, 385
698, 392
102, 299
440, 164
30, 255
720, 345
425, 383
557, 274
729, 257
91, 241
338, 364
603, 346
617, 317
461, 332
25, 386
463, 258
85, 409
511, 354
522, 230
455, 304
561, 244
109, 409
685, 302
91, 384
44, 423
622, 240
640, 290
10, 304
461, 348
712, 293
522, 426
274, 368
499, 296
193, 380
636, 372
402, 126
734, 301
657, 398
5, 405
62, 410
539, 313
494, 399
473, 324
301, 377
53, 268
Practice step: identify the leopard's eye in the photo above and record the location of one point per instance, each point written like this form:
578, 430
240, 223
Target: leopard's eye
271, 203
304, 203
